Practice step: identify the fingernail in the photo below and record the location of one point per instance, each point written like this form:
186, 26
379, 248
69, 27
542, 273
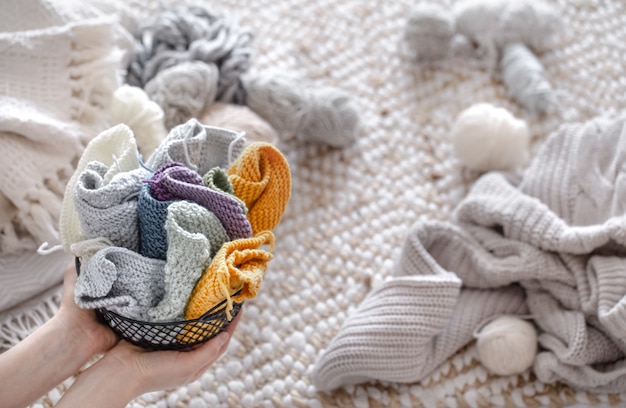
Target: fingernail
223, 338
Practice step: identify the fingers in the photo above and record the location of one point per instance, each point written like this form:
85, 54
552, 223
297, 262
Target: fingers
164, 369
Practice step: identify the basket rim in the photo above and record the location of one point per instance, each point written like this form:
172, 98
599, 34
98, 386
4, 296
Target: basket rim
205, 316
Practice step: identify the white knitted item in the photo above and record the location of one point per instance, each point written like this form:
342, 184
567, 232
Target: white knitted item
59, 70
352, 208
116, 149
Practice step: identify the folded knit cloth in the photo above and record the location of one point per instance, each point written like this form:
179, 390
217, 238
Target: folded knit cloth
177, 182
238, 265
199, 147
262, 179
558, 232
122, 281
109, 210
116, 149
194, 236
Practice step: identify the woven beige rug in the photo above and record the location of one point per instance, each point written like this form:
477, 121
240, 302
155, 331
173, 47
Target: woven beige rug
351, 208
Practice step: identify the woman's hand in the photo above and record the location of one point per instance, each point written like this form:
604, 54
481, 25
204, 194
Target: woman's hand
127, 371
82, 323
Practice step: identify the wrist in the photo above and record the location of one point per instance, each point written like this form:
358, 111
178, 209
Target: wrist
75, 335
105, 384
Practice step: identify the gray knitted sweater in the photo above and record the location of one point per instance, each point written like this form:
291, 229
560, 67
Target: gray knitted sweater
551, 243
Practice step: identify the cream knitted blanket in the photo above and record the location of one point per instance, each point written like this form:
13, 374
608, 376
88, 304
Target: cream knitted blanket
351, 209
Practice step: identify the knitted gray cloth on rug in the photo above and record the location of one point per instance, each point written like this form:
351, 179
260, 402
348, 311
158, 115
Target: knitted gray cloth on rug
558, 231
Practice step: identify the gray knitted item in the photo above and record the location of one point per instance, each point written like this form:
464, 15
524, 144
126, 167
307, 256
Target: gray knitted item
122, 281
559, 231
194, 236
413, 322
109, 209
206, 146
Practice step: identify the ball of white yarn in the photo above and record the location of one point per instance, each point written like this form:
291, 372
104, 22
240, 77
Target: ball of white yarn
488, 138
507, 345
131, 106
184, 90
240, 118
429, 30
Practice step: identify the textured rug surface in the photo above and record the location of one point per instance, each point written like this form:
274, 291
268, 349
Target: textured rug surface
351, 208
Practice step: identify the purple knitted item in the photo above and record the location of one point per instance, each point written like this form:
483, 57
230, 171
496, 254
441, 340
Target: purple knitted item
160, 192
175, 181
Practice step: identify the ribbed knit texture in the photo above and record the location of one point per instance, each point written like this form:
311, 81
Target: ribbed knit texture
194, 236
206, 146
122, 281
109, 210
115, 148
238, 265
152, 214
558, 232
262, 179
177, 182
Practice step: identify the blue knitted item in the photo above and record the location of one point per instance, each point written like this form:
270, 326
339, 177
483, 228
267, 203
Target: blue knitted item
152, 215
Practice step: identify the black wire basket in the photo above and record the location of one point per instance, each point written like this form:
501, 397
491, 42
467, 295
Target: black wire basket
180, 335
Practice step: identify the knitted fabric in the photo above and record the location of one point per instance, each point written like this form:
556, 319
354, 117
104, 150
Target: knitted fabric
192, 34
199, 147
558, 232
238, 265
49, 62
152, 214
194, 236
178, 182
116, 149
122, 281
261, 178
109, 210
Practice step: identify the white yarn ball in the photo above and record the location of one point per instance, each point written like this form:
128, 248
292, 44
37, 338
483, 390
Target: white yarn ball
507, 345
132, 106
488, 138
429, 30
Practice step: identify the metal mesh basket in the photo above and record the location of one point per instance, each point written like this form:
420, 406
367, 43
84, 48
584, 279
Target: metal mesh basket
169, 335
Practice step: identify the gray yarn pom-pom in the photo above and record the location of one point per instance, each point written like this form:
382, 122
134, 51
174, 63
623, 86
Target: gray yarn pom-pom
297, 110
495, 23
333, 118
184, 91
524, 77
429, 31
193, 34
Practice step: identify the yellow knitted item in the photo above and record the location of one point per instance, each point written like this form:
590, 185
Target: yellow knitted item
261, 178
238, 265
